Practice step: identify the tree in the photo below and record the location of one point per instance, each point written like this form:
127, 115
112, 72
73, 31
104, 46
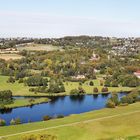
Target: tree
2, 122
12, 122
114, 98
108, 82
110, 104
104, 89
74, 92
5, 95
91, 83
95, 90
56, 86
114, 83
37, 81
46, 118
11, 80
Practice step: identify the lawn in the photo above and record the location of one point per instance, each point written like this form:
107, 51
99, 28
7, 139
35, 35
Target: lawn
21, 90
26, 102
125, 124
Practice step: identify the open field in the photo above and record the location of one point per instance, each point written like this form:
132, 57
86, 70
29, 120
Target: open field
26, 102
10, 56
21, 90
106, 124
38, 47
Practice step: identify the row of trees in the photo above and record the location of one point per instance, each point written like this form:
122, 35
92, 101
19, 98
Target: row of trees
114, 100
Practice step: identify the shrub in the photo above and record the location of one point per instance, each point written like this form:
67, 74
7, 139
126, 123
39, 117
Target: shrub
74, 92
2, 122
91, 83
60, 116
104, 89
95, 90
115, 83
6, 95
31, 101
21, 80
39, 137
81, 90
110, 104
36, 81
12, 122
56, 86
114, 98
11, 80
46, 118
17, 121
2, 106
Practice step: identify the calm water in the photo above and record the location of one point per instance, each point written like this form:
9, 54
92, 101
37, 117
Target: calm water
58, 106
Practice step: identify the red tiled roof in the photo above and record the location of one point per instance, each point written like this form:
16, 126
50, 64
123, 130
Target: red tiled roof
138, 72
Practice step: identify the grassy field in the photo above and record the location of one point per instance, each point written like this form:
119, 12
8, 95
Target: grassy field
21, 90
39, 47
10, 56
26, 102
106, 124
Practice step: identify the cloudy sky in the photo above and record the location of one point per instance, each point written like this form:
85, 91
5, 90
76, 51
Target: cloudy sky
57, 18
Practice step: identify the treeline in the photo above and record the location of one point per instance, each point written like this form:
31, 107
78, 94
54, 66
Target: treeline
131, 98
11, 43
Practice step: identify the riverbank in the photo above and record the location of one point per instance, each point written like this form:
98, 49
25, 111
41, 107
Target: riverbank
101, 124
26, 102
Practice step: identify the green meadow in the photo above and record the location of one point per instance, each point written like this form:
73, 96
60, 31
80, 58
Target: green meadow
26, 102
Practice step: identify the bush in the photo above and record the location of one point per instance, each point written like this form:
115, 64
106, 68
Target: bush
60, 116
2, 106
74, 92
15, 121
2, 122
95, 90
6, 95
79, 91
131, 98
39, 137
46, 118
104, 89
115, 83
36, 81
56, 86
21, 80
114, 98
110, 104
12, 122
91, 83
11, 80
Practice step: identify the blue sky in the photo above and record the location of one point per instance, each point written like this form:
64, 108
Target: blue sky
56, 18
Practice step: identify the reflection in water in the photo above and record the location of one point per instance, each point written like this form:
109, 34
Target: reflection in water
95, 96
105, 95
79, 98
6, 111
